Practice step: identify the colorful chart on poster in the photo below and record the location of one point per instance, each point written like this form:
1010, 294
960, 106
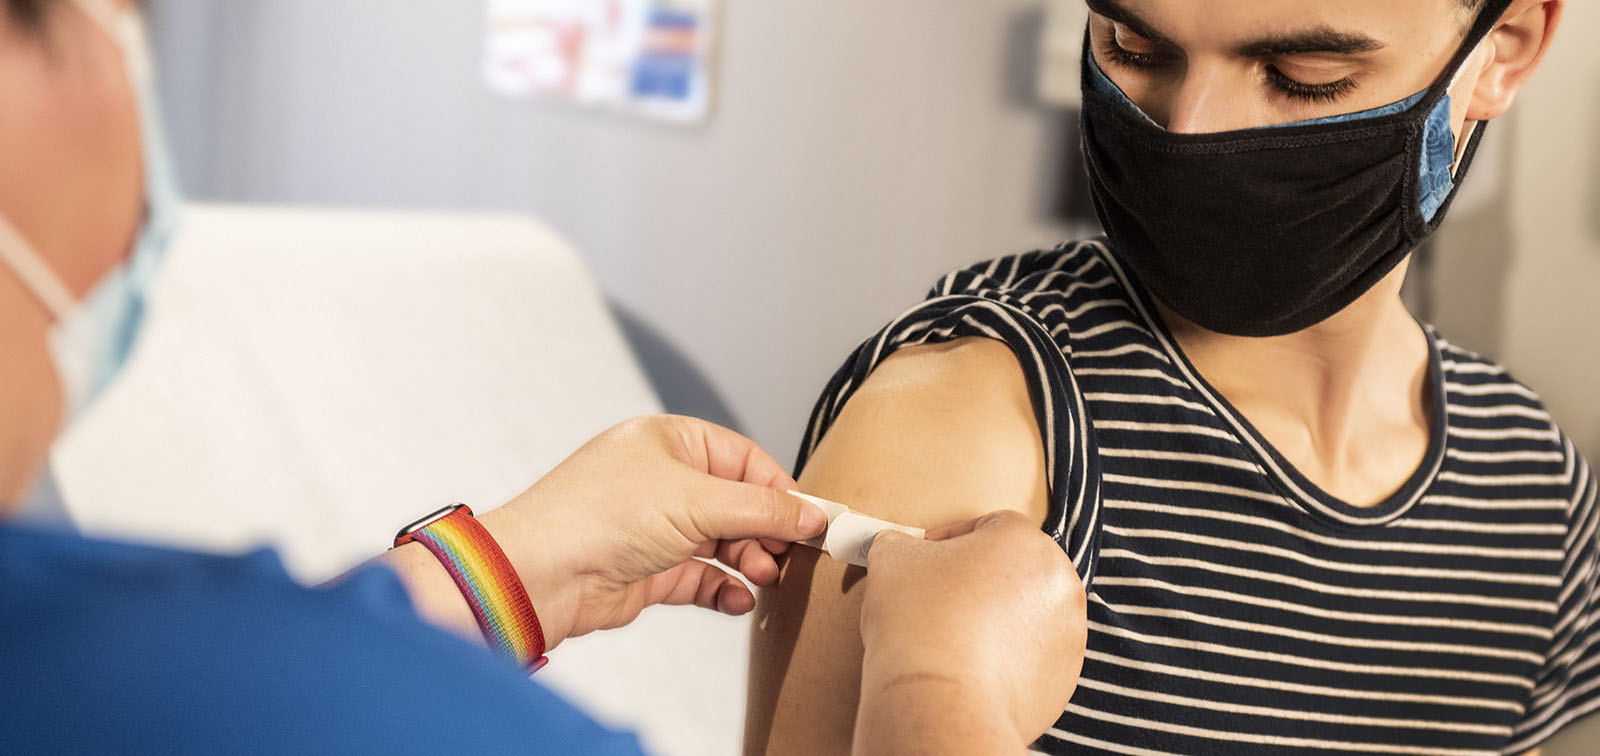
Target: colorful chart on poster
647, 57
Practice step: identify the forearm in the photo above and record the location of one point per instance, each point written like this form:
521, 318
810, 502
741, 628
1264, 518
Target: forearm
616, 527
438, 600
931, 713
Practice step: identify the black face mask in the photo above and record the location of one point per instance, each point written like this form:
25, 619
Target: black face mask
1269, 231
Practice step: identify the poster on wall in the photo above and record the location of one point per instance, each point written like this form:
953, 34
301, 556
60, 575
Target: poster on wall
651, 58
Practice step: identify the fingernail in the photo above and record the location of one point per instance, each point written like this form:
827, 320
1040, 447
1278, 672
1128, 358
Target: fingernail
812, 520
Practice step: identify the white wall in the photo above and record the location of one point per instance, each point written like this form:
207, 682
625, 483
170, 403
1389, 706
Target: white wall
858, 151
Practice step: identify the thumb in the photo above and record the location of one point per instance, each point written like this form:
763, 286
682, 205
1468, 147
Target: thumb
890, 545
730, 510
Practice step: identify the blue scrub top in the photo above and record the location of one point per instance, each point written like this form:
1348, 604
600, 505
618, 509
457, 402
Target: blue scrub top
114, 648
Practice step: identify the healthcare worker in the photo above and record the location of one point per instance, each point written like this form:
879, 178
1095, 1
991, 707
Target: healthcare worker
112, 647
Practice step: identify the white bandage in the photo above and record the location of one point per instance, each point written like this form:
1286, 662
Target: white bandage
849, 535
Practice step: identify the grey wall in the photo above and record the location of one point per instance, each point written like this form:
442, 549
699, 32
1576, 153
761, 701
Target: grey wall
857, 151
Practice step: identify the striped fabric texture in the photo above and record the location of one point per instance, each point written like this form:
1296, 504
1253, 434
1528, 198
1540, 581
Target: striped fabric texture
1236, 608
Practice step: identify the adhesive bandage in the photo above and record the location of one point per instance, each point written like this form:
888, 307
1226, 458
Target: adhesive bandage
849, 535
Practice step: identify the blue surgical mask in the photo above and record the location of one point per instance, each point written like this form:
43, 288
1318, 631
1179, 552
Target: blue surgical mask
1438, 157
91, 340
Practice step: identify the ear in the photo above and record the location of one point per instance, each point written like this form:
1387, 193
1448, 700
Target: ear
1518, 44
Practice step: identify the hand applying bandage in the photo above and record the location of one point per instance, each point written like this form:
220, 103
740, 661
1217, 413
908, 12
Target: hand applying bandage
617, 527
850, 535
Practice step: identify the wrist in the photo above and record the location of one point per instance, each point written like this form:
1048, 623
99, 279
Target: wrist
434, 595
487, 582
534, 550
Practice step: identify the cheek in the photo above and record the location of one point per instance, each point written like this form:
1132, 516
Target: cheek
70, 149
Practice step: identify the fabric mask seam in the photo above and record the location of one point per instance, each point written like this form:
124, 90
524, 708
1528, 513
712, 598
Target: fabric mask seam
1221, 143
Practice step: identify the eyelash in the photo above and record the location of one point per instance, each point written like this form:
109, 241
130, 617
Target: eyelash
1300, 90
1291, 88
1123, 56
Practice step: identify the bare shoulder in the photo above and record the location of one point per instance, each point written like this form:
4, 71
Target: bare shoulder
937, 434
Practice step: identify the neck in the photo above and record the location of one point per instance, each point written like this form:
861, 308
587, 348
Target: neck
1340, 399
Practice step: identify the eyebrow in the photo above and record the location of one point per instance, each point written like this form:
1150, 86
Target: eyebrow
1116, 12
1309, 41
1315, 40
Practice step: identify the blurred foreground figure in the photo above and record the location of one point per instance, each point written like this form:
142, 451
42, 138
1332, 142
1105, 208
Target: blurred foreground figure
120, 648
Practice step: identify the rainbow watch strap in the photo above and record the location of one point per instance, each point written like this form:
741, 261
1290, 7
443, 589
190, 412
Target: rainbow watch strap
487, 581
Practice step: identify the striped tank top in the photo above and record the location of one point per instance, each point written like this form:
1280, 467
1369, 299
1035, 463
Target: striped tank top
1236, 608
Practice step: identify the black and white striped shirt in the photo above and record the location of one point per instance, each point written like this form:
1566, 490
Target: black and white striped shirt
1236, 608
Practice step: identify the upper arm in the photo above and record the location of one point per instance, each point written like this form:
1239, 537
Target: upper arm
937, 434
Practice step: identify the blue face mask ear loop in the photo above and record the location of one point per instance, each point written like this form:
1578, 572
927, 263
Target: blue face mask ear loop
1441, 150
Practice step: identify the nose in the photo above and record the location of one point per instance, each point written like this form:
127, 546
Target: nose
1203, 102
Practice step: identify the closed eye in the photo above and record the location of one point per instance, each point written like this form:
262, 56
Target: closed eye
1122, 56
1153, 59
1286, 85
1299, 90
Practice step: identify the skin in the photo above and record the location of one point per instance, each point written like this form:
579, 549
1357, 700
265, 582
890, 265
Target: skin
913, 699
939, 432
616, 527
621, 525
70, 115
934, 432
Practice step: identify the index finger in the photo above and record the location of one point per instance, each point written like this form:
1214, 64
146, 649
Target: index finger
731, 456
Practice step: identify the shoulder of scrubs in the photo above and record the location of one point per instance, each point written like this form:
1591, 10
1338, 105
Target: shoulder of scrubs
118, 648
